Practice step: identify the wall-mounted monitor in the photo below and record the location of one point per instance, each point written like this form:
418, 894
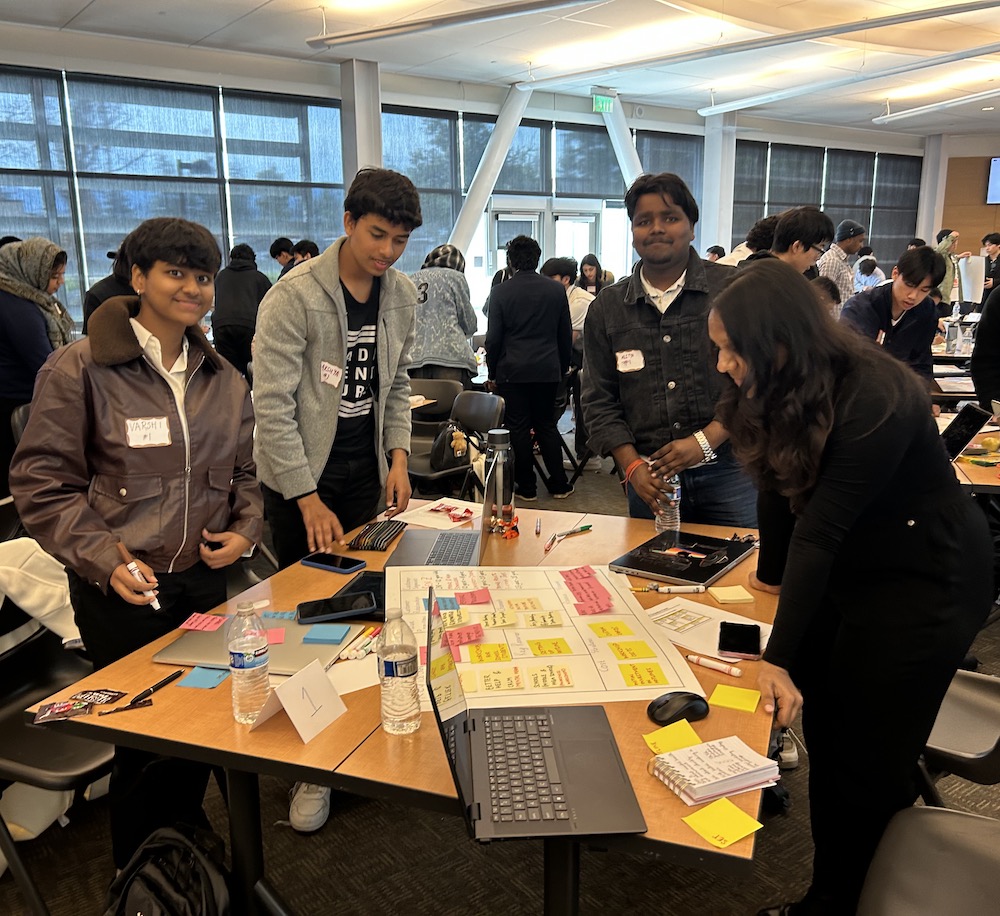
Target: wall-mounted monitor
993, 186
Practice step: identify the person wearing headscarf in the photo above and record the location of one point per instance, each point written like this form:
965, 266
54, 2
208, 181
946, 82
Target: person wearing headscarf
445, 319
33, 323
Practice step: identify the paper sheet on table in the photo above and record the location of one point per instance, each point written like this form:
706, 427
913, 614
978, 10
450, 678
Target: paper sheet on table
355, 674
973, 273
957, 385
425, 517
695, 626
948, 371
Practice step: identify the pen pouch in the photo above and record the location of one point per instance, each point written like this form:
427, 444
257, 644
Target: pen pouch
377, 535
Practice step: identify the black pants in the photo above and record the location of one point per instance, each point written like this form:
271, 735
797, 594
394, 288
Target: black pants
232, 342
147, 791
351, 489
531, 406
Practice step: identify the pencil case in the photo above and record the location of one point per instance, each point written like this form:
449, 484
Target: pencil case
377, 535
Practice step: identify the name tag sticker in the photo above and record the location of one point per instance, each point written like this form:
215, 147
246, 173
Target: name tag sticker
630, 360
329, 374
147, 432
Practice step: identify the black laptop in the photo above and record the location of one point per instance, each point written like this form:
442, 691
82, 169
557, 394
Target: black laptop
528, 771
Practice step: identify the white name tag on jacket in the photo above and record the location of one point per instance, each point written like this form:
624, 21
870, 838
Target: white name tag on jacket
630, 360
329, 374
147, 432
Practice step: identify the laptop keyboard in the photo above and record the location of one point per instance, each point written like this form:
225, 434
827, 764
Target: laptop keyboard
452, 548
524, 780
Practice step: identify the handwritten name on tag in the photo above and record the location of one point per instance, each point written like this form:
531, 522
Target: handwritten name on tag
329, 374
147, 432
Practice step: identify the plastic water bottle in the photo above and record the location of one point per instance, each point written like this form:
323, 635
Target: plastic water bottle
956, 311
246, 637
397, 670
669, 516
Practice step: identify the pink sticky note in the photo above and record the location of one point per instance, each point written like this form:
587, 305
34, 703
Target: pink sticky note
423, 656
581, 572
456, 653
479, 596
462, 635
206, 622
276, 636
591, 607
587, 590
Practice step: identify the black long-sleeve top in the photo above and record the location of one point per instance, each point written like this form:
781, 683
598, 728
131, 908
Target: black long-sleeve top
985, 364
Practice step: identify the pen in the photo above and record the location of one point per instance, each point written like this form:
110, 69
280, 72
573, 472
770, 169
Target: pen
361, 637
670, 589
714, 665
149, 691
360, 651
559, 535
131, 566
538, 527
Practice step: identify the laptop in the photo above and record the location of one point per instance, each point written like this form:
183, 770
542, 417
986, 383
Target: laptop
209, 650
528, 771
967, 424
684, 559
439, 548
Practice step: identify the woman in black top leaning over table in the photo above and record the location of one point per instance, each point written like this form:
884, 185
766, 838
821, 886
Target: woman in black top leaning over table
884, 571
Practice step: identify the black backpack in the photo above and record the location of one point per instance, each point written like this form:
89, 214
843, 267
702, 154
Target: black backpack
173, 873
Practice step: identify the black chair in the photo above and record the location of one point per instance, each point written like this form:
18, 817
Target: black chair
18, 420
476, 412
427, 421
37, 755
933, 861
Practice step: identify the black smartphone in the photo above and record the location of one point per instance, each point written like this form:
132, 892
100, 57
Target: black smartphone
368, 581
739, 640
334, 562
337, 607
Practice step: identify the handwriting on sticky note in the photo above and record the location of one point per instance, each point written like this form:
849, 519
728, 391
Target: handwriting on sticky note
611, 628
587, 591
544, 619
275, 636
497, 619
541, 647
722, 823
441, 666
643, 674
207, 623
581, 572
478, 596
444, 603
672, 737
455, 618
523, 604
488, 653
588, 608
466, 634
499, 679
741, 698
635, 648
550, 676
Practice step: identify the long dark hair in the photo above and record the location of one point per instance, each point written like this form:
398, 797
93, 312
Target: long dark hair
797, 358
583, 282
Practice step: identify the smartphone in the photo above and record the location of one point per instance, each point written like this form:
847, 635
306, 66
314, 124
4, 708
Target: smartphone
337, 607
334, 562
368, 581
739, 640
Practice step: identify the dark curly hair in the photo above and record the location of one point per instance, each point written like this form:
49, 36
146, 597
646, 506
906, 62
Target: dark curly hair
174, 240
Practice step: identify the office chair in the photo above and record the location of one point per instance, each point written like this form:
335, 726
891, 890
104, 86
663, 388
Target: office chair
965, 740
476, 412
932, 861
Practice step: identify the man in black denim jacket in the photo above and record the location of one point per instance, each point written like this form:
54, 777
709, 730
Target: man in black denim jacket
650, 383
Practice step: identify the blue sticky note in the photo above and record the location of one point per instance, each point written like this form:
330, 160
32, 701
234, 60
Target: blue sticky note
204, 677
278, 615
445, 603
328, 633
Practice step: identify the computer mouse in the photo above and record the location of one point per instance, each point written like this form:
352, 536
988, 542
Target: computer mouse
679, 704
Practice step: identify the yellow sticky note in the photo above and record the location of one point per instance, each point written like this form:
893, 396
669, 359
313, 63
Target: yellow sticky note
469, 682
643, 674
730, 594
633, 649
455, 618
523, 604
444, 692
489, 653
494, 619
611, 628
441, 666
741, 698
722, 823
501, 679
549, 647
550, 676
544, 619
672, 737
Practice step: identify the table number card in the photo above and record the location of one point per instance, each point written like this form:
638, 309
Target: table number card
310, 700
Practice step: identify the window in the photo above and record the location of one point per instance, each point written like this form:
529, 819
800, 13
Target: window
677, 153
526, 170
586, 165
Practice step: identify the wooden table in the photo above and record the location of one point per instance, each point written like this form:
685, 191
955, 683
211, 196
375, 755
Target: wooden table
977, 479
354, 754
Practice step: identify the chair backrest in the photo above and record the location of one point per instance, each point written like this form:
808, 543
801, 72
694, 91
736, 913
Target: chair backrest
442, 391
18, 420
478, 411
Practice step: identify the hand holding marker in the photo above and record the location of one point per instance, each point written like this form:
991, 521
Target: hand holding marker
133, 568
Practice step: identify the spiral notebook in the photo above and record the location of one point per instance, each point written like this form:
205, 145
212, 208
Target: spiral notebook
713, 769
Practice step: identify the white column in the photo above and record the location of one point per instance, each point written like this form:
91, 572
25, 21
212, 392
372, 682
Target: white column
360, 117
933, 181
488, 171
621, 140
719, 176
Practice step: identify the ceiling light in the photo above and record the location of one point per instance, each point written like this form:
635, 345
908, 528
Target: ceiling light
936, 106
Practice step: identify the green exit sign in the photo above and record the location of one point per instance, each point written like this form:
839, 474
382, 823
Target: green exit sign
603, 103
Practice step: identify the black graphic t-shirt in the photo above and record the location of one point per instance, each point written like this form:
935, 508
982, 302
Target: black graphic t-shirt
356, 418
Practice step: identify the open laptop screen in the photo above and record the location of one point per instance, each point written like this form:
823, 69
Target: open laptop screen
963, 429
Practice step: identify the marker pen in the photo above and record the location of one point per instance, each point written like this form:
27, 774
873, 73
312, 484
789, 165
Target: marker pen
133, 568
711, 663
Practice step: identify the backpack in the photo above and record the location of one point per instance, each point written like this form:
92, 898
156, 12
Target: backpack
173, 873
450, 448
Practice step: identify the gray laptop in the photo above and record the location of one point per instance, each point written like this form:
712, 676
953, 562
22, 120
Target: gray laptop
438, 548
528, 771
209, 650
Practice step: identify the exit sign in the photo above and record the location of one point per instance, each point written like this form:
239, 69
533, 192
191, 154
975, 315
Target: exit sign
603, 103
